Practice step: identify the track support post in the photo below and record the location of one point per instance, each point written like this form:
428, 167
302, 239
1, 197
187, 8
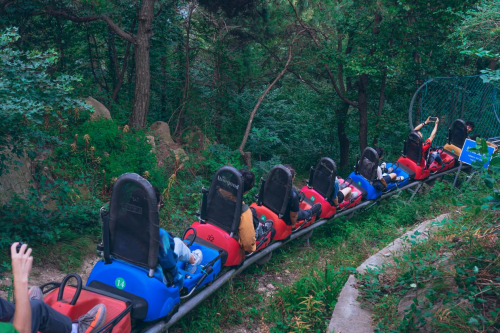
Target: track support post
458, 172
415, 191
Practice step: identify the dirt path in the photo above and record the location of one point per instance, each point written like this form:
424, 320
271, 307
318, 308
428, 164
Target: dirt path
48, 273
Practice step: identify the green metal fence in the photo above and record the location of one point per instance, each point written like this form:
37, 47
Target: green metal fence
450, 98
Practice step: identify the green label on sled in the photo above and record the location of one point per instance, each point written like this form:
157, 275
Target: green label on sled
263, 217
313, 198
120, 283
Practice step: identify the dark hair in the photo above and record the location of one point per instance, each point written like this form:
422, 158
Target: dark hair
290, 167
380, 151
248, 179
470, 123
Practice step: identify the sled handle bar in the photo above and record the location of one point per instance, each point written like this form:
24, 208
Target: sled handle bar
78, 288
194, 236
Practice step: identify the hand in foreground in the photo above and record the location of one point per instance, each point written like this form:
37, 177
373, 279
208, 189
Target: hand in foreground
437, 121
428, 120
21, 262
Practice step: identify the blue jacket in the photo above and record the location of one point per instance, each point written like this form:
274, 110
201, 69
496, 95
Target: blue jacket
167, 258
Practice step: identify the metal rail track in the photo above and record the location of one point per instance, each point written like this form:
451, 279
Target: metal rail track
186, 307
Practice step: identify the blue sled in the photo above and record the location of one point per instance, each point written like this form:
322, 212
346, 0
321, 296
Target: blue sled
161, 300
371, 192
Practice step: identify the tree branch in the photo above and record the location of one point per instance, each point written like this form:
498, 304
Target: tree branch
245, 156
334, 83
126, 36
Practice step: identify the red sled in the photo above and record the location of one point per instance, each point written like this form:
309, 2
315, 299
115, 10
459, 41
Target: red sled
220, 215
273, 200
412, 156
321, 185
74, 302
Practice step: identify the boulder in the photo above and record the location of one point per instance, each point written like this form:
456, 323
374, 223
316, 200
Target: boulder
196, 139
162, 131
100, 111
17, 178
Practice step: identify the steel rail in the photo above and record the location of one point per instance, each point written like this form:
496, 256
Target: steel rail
187, 306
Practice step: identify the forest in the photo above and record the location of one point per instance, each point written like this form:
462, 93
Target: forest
173, 90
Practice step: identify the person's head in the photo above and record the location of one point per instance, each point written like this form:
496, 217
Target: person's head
292, 170
158, 197
380, 152
470, 126
248, 180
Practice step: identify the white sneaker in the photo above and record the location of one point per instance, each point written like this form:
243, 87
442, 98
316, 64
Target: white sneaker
382, 166
198, 257
400, 178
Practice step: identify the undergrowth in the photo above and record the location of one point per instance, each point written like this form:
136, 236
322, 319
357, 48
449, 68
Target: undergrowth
450, 282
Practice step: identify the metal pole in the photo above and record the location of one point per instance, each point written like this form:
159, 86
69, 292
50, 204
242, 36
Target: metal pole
413, 101
458, 171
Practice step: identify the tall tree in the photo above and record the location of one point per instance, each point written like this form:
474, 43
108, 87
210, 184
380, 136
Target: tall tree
140, 40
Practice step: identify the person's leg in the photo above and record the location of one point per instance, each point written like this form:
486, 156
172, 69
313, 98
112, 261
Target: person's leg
388, 178
304, 214
6, 310
347, 193
340, 197
182, 250
47, 320
432, 157
438, 158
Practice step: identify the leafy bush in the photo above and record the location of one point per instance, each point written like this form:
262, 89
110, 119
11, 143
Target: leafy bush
306, 305
45, 214
32, 98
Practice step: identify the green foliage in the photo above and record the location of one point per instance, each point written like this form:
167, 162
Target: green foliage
30, 94
44, 215
446, 283
102, 151
305, 305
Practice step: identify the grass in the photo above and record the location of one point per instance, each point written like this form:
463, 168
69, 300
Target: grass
307, 280
449, 283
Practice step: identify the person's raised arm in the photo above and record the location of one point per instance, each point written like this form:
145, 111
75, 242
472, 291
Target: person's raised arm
434, 130
419, 126
21, 268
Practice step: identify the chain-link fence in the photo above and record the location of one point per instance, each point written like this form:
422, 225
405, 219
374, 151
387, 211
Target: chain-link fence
450, 98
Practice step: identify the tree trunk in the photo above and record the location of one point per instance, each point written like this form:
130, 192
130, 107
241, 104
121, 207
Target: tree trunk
163, 96
342, 135
363, 111
138, 118
185, 95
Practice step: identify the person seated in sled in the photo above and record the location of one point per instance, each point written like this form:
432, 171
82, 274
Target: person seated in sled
434, 155
293, 212
341, 192
30, 313
173, 249
247, 233
470, 127
384, 175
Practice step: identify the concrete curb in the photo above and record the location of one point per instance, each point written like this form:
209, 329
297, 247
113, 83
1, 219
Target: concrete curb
348, 316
